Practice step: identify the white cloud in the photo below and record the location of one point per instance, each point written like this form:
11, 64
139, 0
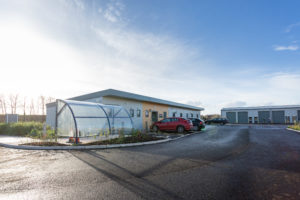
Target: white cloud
113, 11
100, 55
290, 27
286, 48
79, 4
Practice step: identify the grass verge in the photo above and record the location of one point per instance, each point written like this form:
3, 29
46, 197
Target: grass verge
295, 127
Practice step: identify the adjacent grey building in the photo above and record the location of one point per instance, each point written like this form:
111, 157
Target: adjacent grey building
262, 114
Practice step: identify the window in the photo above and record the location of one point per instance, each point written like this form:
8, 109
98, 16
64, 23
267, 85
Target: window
165, 114
138, 113
174, 120
197, 116
165, 120
287, 119
192, 115
294, 118
250, 120
180, 114
160, 115
174, 114
187, 115
146, 113
255, 120
131, 112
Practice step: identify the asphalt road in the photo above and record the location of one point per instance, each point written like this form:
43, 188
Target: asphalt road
223, 162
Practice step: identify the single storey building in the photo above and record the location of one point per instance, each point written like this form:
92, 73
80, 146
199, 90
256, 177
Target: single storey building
144, 110
262, 114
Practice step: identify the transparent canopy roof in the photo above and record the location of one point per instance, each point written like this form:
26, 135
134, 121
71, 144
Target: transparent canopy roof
84, 119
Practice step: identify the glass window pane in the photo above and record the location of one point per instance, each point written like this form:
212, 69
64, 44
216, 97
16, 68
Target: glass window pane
92, 126
60, 104
121, 124
120, 112
87, 110
65, 123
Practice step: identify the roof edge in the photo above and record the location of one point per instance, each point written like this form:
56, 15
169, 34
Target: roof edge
133, 96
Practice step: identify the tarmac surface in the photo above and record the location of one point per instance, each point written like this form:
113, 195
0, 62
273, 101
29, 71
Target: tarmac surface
223, 162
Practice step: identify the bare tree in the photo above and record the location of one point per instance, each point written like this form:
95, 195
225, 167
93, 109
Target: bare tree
3, 104
50, 100
37, 107
31, 108
13, 103
42, 103
24, 107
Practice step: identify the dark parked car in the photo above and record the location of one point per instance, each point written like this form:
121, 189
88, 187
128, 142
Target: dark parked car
217, 121
198, 123
173, 124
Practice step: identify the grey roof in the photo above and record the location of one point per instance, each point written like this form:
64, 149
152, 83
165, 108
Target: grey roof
262, 107
132, 96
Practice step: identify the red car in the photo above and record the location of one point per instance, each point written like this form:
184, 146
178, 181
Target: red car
173, 124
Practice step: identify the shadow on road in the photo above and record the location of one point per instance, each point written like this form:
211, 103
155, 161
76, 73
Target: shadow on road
136, 184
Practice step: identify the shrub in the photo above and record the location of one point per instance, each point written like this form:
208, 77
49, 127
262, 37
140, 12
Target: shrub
20, 128
295, 126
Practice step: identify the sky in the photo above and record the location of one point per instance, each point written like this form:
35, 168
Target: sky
211, 53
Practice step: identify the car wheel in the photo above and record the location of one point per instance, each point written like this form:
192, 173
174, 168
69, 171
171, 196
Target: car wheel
155, 129
180, 129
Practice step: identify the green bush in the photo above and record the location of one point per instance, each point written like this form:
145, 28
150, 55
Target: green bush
295, 126
21, 128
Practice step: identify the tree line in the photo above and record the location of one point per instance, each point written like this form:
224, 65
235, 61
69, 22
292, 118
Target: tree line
17, 104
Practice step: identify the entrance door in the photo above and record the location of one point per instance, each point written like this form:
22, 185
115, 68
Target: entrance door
154, 116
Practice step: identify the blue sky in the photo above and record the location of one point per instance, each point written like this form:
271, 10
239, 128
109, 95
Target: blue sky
211, 54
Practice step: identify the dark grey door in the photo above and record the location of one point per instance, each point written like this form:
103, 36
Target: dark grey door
278, 117
154, 117
263, 117
231, 116
242, 117
298, 115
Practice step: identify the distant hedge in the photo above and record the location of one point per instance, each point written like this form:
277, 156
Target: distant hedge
20, 128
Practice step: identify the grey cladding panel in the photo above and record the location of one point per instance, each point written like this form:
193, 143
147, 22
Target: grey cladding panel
242, 117
264, 117
231, 116
278, 117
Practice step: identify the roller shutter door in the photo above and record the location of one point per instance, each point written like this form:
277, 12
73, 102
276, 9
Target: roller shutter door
231, 116
242, 117
263, 117
278, 117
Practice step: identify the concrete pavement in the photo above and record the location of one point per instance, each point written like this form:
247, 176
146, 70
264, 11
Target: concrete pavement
222, 163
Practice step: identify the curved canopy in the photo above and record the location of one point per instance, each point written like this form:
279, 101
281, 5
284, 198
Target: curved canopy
83, 119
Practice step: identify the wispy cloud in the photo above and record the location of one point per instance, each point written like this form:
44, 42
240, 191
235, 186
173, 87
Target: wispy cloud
113, 11
286, 48
290, 27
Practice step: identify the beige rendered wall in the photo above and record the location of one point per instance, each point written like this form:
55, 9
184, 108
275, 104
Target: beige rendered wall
150, 107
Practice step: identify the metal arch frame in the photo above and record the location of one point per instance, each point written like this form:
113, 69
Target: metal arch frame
75, 123
129, 117
106, 117
74, 118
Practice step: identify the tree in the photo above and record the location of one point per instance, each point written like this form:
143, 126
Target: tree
3, 104
24, 107
42, 103
31, 107
13, 100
